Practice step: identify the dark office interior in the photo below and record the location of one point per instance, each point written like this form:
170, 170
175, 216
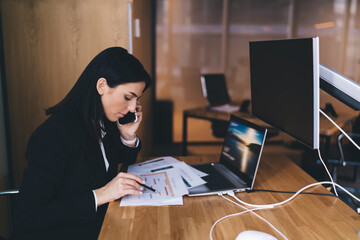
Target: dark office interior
46, 44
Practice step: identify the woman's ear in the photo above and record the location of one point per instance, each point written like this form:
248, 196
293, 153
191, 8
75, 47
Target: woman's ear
101, 86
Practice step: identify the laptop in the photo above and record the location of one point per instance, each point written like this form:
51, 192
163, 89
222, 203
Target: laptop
239, 160
214, 89
216, 93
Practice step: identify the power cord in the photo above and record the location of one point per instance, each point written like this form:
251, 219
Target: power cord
267, 206
246, 210
328, 172
352, 141
297, 193
346, 135
290, 192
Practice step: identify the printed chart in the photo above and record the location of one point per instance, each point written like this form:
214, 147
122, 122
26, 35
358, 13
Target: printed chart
169, 185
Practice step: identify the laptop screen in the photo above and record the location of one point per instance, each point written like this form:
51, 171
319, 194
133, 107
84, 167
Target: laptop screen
242, 148
214, 89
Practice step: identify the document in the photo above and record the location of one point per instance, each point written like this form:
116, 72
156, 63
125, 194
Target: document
167, 175
191, 176
151, 164
169, 185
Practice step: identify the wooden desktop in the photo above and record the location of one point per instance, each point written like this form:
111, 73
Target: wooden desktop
305, 217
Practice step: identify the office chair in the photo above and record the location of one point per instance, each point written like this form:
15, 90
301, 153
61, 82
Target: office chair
10, 194
349, 154
216, 93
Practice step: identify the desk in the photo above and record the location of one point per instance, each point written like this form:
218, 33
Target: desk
327, 129
306, 217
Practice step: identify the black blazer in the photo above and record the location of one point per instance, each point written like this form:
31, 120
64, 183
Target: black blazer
64, 165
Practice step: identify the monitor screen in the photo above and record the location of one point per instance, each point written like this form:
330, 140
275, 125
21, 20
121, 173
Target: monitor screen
285, 86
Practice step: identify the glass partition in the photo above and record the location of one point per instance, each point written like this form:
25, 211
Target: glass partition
211, 36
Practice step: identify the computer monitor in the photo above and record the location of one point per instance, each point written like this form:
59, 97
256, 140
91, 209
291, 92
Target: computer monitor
285, 86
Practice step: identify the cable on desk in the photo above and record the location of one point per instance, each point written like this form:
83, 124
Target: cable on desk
346, 135
227, 216
246, 210
268, 206
327, 172
272, 205
276, 191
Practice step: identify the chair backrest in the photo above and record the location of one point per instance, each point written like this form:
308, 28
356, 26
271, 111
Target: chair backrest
348, 152
214, 89
10, 194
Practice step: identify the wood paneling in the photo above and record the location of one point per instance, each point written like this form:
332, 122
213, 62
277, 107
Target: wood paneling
47, 44
143, 51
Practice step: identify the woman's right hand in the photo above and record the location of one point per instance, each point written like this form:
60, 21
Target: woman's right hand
121, 185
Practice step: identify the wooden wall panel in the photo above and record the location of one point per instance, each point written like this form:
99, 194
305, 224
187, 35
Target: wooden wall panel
47, 44
143, 51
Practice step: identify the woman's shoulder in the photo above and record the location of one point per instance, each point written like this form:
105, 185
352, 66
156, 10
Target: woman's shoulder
67, 125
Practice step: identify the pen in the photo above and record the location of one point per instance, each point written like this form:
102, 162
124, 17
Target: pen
145, 186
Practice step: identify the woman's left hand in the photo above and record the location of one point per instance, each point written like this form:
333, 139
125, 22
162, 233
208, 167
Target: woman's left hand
128, 131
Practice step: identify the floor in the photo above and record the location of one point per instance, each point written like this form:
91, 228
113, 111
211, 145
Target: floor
294, 153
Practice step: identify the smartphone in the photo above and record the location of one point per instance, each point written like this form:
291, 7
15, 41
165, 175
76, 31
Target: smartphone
128, 118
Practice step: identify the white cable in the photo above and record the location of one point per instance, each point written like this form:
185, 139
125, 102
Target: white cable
297, 193
328, 173
246, 210
342, 188
352, 141
251, 210
266, 206
230, 215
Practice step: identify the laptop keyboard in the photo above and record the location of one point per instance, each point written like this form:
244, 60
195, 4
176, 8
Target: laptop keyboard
214, 180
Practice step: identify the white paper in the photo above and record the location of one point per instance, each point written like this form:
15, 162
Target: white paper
151, 164
198, 172
169, 185
191, 176
226, 108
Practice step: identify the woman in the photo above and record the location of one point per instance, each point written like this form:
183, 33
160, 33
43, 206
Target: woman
73, 156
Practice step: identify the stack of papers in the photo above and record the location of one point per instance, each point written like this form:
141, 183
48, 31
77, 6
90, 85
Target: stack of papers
167, 175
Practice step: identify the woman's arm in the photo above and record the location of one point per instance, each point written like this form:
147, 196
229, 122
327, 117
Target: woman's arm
123, 184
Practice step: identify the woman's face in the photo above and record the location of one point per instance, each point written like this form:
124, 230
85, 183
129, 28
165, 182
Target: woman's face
118, 101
